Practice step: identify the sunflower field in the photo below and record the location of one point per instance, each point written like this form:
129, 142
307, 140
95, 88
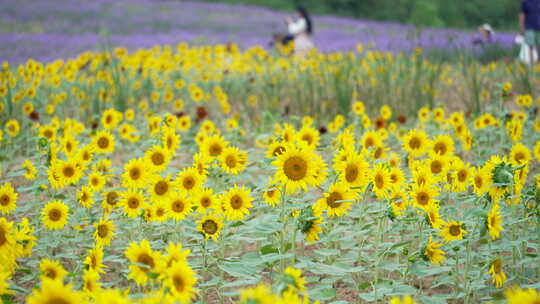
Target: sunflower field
210, 174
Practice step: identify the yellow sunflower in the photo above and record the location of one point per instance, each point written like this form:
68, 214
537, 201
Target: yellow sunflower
160, 189
443, 145
30, 169
433, 253
8, 198
416, 143
210, 226
148, 261
97, 180
271, 194
158, 158
137, 174
85, 196
480, 181
214, 145
262, 294
12, 127
520, 155
132, 202
275, 148
94, 259
494, 222
453, 231
236, 202
433, 216
52, 270
380, 177
497, 273
516, 295
461, 178
233, 160
188, 181
48, 132
180, 280
309, 135
68, 172
103, 142
176, 254
294, 279
353, 170
206, 200
296, 168
55, 215
160, 211
423, 195
54, 291
403, 300
337, 200
90, 283
179, 205
7, 241
309, 223
104, 232
110, 200
170, 140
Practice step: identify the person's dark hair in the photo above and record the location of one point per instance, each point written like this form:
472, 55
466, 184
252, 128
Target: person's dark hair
303, 12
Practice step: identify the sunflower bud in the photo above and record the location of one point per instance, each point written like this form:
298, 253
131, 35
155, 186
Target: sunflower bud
502, 174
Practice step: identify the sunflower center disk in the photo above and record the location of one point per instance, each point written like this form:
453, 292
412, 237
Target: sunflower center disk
4, 200
295, 168
333, 199
210, 227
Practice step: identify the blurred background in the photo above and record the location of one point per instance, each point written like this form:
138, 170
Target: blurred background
49, 29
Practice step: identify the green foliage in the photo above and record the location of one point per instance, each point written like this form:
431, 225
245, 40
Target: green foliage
438, 13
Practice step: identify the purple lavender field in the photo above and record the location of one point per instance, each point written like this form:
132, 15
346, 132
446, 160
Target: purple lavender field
49, 29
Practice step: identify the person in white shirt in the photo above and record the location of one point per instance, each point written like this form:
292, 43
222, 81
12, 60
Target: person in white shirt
302, 29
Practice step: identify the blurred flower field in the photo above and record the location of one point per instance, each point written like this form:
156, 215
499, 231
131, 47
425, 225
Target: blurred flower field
229, 173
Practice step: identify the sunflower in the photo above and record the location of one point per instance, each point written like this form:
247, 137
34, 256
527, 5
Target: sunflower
7, 241
293, 280
90, 283
497, 273
94, 259
380, 177
69, 144
233, 160
110, 118
4, 285
8, 198
494, 222
96, 180
296, 168
48, 132
54, 291
461, 177
52, 270
271, 193
205, 200
175, 254
353, 170
110, 200
399, 202
309, 135
453, 231
416, 142
184, 123
158, 158
404, 300
55, 214
337, 201
132, 202
137, 174
443, 145
170, 140
103, 142
370, 139
12, 127
288, 134
189, 180
236, 202
309, 223
85, 196
148, 261
161, 188
201, 162
179, 205
262, 294
500, 176
25, 238
104, 232
180, 280
358, 107
520, 155
210, 226
31, 170
433, 216
433, 253
214, 145
68, 172
397, 178
423, 196
160, 211
517, 295
480, 180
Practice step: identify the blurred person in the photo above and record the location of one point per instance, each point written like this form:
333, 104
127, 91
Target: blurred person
301, 28
529, 23
486, 36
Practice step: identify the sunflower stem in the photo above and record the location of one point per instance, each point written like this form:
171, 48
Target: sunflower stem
284, 229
